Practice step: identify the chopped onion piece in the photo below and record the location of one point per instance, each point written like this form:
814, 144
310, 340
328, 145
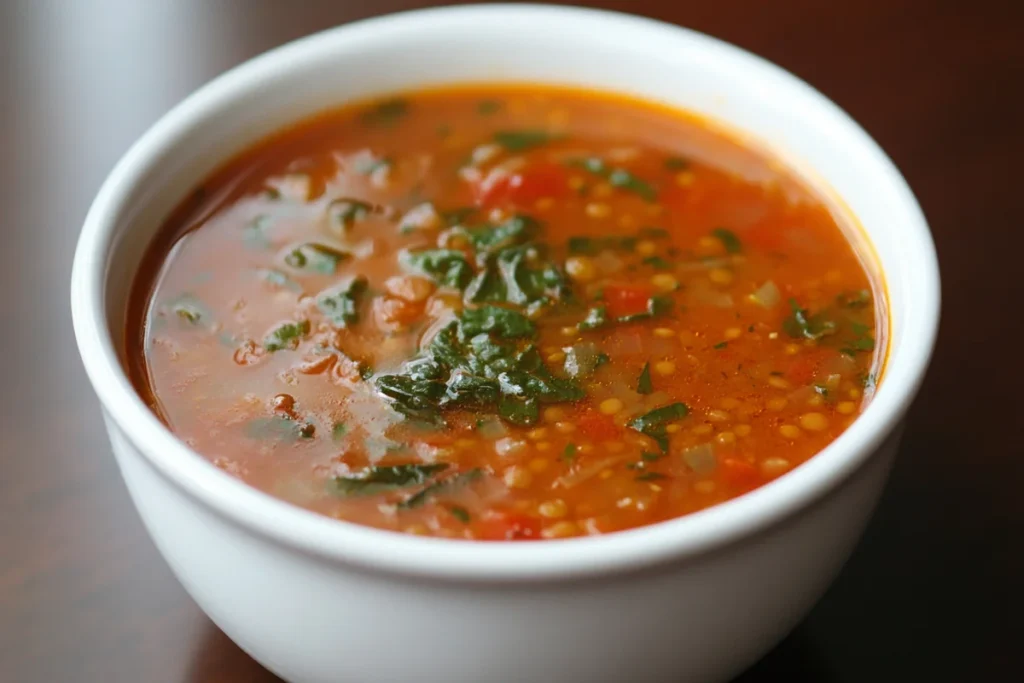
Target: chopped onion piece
581, 359
767, 295
701, 459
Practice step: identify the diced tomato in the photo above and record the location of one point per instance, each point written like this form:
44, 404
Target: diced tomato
508, 526
525, 187
626, 299
594, 425
764, 236
807, 366
740, 475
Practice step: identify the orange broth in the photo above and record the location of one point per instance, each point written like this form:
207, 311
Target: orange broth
514, 312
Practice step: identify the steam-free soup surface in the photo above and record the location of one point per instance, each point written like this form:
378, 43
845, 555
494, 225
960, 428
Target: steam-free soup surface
517, 313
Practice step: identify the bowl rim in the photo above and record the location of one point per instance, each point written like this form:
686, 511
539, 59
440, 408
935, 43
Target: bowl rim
368, 548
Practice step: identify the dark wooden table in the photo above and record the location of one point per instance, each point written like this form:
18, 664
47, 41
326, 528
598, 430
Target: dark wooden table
934, 592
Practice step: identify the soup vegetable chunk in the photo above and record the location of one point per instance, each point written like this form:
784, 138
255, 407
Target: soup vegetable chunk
505, 313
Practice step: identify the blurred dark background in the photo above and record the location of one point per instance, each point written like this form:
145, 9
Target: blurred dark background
934, 592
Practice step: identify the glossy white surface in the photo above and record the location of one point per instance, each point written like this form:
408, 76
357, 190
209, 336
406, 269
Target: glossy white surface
694, 599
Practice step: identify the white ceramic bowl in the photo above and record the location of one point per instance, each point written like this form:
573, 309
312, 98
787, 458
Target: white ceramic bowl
695, 599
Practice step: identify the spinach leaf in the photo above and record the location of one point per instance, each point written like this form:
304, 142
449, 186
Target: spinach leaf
460, 513
286, 336
595, 245
488, 107
627, 181
728, 239
617, 177
676, 163
341, 303
386, 113
518, 275
507, 324
654, 423
378, 479
447, 267
596, 317
490, 238
643, 383
346, 212
569, 453
800, 324
441, 487
657, 262
522, 140
314, 257
481, 361
856, 299
657, 306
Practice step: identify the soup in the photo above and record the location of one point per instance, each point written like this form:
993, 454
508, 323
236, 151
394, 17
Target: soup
505, 313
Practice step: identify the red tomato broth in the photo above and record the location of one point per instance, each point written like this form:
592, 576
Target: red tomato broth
666, 211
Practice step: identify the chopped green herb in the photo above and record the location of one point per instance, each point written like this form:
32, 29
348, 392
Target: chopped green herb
654, 423
651, 456
594, 245
657, 306
481, 361
272, 194
627, 181
570, 452
338, 430
650, 476
728, 239
385, 113
440, 487
457, 216
799, 324
521, 140
581, 360
188, 310
286, 336
488, 107
316, 258
341, 302
653, 233
657, 262
460, 513
596, 317
617, 177
856, 299
520, 275
602, 359
676, 163
447, 267
378, 479
346, 212
720, 345
643, 384
507, 324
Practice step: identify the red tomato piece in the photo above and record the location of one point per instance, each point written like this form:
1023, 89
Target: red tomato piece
509, 526
524, 187
740, 475
596, 426
626, 299
807, 366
